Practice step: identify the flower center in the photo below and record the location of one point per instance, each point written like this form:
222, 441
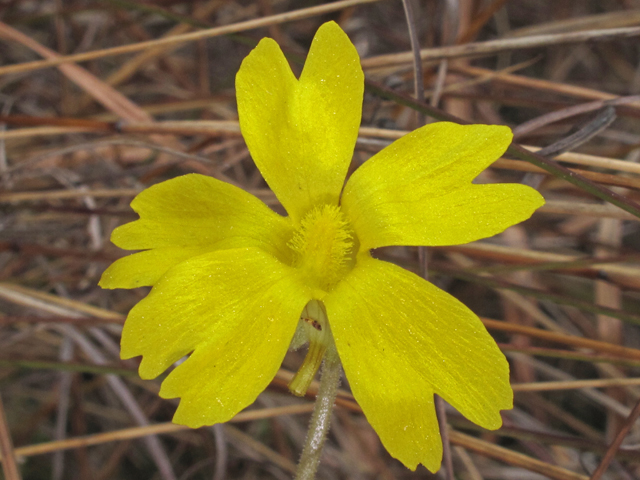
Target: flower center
325, 246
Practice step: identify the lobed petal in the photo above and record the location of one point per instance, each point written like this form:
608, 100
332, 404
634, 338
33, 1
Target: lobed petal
418, 191
199, 210
400, 340
236, 310
302, 133
144, 269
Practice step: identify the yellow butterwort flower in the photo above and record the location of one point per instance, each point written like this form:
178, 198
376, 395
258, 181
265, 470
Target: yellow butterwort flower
231, 277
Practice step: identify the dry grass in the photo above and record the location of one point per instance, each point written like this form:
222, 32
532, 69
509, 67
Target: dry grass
560, 293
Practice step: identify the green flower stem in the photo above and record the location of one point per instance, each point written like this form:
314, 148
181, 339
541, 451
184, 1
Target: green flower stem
321, 417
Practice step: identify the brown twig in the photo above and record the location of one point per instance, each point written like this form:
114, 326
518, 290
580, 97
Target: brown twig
555, 116
611, 451
189, 37
513, 458
9, 464
491, 47
579, 342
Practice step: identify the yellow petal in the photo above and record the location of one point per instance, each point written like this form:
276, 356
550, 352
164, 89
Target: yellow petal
418, 191
400, 340
196, 210
301, 134
145, 268
238, 309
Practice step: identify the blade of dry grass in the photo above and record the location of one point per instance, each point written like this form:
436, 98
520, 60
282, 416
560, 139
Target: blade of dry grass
189, 37
606, 460
537, 84
513, 458
110, 98
58, 305
506, 254
127, 69
578, 342
497, 46
146, 430
568, 354
247, 441
556, 116
586, 209
583, 305
621, 18
9, 464
574, 384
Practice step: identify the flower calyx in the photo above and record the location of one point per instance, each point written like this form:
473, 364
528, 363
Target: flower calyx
316, 326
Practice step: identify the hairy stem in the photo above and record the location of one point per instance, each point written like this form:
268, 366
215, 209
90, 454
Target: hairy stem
321, 417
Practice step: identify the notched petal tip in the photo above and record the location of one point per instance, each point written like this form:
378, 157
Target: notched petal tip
266, 51
120, 235
188, 416
302, 133
419, 191
149, 369
120, 274
190, 215
233, 312
106, 281
417, 340
499, 134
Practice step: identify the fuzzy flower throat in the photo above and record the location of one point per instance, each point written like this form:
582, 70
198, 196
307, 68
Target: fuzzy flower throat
325, 246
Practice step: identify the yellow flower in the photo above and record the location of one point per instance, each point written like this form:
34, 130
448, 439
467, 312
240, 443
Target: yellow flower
230, 277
